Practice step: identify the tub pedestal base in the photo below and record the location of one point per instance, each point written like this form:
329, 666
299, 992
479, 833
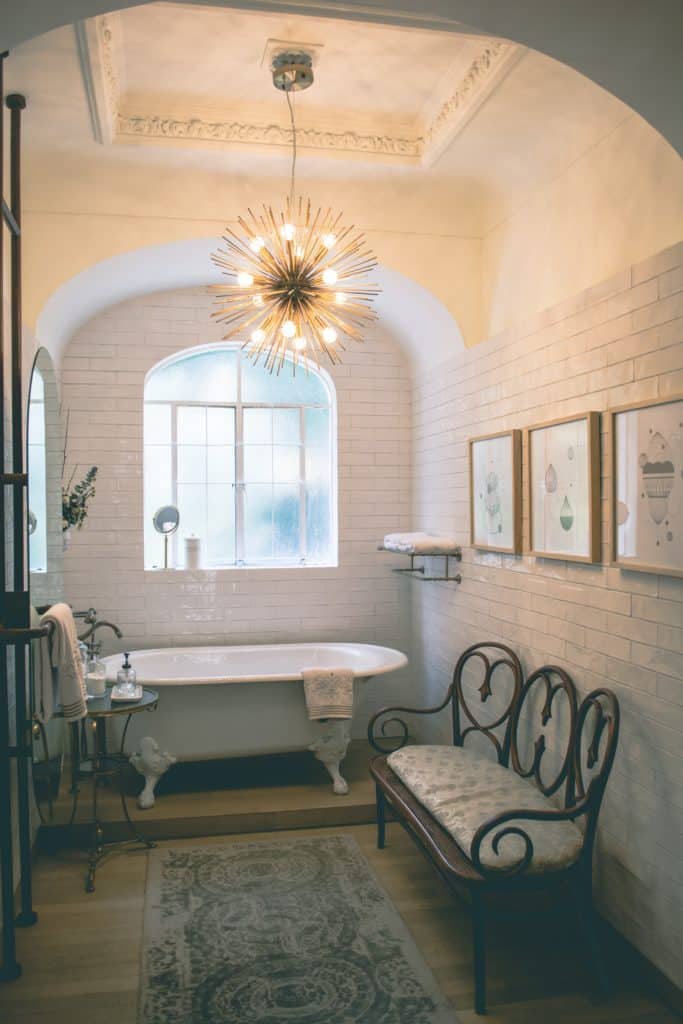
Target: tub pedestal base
330, 749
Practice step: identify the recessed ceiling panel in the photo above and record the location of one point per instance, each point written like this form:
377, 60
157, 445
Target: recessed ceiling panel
194, 76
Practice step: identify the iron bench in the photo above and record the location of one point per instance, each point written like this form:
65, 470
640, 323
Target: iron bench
522, 820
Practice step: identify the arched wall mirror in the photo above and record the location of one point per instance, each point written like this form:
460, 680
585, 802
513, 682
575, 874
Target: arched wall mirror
44, 460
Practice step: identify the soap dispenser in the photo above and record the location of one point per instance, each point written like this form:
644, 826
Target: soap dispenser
126, 681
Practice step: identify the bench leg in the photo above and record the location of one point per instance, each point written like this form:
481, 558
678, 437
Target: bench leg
583, 902
381, 816
479, 951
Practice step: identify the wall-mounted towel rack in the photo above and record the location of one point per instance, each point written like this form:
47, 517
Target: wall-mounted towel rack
418, 571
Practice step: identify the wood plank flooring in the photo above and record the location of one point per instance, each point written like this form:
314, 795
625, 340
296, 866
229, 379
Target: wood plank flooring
81, 961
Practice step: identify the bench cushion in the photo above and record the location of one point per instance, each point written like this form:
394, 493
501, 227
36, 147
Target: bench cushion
463, 789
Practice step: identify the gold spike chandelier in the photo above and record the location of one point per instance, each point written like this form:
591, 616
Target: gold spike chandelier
297, 279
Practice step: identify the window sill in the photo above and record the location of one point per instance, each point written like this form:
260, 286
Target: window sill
293, 567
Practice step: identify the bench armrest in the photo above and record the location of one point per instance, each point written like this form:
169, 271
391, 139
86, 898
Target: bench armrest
499, 822
377, 732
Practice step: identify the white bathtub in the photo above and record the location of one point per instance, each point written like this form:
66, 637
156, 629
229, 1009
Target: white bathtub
220, 702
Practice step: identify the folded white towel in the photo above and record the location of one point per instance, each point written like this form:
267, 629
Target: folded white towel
66, 658
43, 676
420, 544
328, 692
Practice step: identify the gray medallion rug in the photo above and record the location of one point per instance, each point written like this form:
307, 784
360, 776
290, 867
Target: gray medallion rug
291, 931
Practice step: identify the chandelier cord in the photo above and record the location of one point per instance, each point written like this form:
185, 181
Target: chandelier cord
291, 116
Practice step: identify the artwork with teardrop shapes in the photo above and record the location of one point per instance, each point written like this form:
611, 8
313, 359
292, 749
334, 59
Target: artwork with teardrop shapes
648, 474
495, 491
559, 455
297, 285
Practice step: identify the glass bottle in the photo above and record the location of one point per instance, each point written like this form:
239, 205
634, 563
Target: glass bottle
126, 678
95, 675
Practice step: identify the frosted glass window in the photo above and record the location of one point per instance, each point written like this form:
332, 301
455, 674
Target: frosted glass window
248, 458
204, 376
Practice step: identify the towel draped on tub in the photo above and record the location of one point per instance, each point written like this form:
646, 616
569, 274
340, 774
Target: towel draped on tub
328, 692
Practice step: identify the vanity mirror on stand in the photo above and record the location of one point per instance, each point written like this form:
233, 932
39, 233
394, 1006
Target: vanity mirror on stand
166, 521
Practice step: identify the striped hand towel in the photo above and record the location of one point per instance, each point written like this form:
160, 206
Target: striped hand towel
328, 692
66, 658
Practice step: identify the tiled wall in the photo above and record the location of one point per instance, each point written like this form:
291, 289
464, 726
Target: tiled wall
619, 342
103, 378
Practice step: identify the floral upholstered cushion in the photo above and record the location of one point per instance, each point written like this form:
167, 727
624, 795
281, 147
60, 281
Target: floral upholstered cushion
463, 789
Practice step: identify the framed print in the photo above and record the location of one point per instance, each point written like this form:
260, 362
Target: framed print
496, 492
564, 488
646, 512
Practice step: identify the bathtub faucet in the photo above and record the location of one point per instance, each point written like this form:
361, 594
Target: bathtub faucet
94, 645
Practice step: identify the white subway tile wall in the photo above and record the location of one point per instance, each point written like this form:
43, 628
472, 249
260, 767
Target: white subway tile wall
619, 342
103, 377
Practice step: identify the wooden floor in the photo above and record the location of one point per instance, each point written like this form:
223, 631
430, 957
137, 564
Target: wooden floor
81, 960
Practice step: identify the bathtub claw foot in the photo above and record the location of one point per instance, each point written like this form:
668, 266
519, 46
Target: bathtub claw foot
151, 763
330, 749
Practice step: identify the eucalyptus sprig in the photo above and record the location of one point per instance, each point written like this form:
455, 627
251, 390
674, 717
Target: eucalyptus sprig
75, 501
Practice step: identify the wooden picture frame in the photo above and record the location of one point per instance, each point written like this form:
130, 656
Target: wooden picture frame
573, 442
647, 486
503, 461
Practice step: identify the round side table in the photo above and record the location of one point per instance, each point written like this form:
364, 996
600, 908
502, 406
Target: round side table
99, 766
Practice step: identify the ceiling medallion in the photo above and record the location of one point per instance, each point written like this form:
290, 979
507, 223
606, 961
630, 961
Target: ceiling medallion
297, 278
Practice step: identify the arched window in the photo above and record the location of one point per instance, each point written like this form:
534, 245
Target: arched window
248, 457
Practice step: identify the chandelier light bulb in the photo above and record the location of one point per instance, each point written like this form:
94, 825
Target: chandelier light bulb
288, 329
256, 244
288, 231
258, 336
299, 251
329, 276
299, 343
329, 240
329, 335
340, 298
244, 279
258, 300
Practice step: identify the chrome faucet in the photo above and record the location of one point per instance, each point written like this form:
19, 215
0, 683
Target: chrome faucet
94, 645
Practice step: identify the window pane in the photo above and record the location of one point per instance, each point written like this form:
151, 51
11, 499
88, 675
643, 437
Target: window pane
286, 426
157, 424
191, 464
220, 533
286, 526
258, 426
258, 385
317, 524
258, 463
317, 465
258, 515
192, 507
191, 425
286, 463
220, 426
220, 464
317, 426
203, 377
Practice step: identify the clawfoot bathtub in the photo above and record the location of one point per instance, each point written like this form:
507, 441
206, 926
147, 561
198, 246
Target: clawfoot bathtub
222, 702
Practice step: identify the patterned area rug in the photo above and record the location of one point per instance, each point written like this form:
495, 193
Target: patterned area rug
291, 931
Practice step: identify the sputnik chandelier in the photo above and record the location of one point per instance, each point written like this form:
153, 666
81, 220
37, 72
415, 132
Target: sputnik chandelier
297, 279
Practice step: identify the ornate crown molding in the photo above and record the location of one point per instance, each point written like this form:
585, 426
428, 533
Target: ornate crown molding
428, 142
156, 126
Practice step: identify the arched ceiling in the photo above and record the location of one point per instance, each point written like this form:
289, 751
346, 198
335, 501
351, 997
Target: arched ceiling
633, 50
404, 307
